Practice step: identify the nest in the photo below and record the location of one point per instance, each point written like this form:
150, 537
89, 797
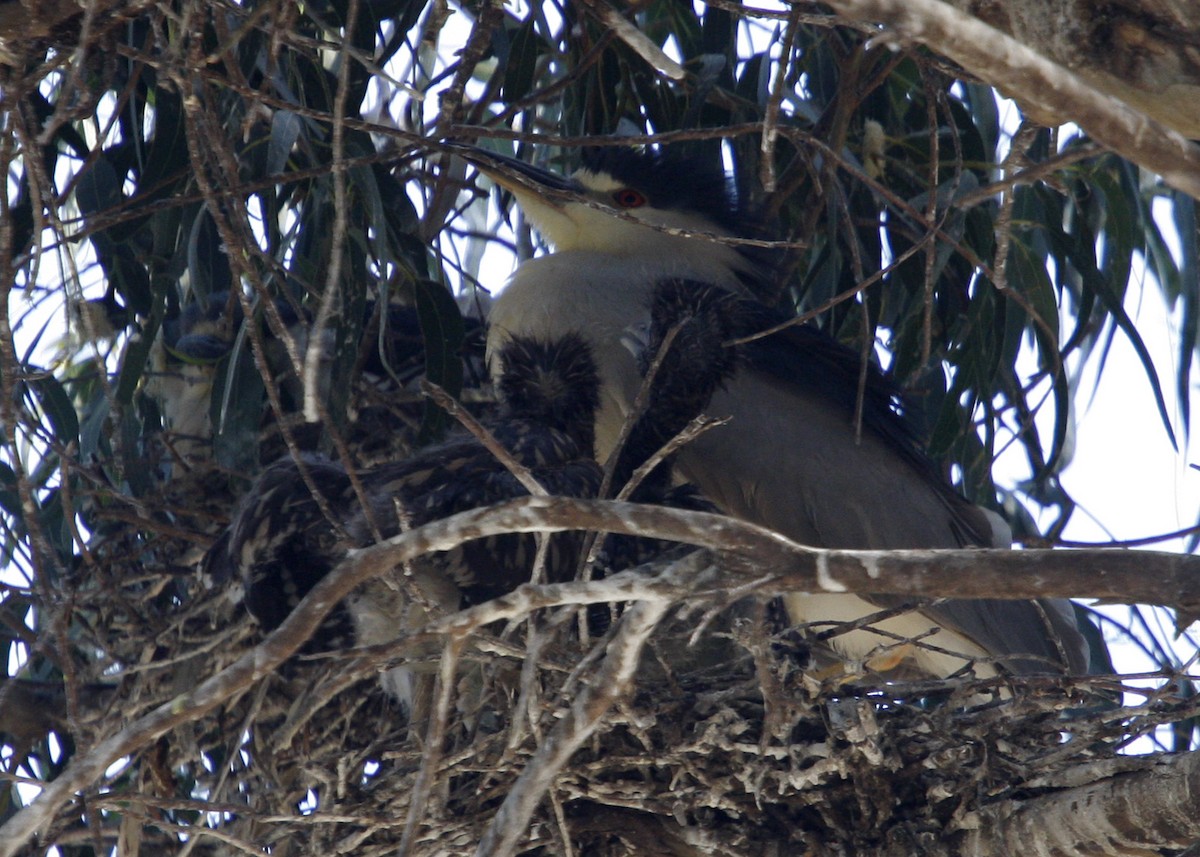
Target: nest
733, 735
732, 738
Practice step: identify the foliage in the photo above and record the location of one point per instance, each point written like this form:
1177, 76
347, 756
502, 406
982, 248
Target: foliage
176, 167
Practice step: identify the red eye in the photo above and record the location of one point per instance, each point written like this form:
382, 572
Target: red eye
627, 197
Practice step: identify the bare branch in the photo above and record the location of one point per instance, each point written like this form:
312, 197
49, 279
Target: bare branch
448, 404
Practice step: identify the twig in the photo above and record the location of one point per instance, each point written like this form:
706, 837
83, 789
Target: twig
593, 702
448, 404
637, 41
698, 426
434, 739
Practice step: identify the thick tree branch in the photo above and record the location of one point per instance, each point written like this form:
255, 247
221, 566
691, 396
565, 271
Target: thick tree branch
1155, 809
1143, 52
1053, 94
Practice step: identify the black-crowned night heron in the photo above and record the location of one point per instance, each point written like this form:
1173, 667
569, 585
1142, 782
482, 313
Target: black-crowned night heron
186, 358
698, 320
790, 457
283, 539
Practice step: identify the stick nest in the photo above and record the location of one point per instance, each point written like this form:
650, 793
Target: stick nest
734, 738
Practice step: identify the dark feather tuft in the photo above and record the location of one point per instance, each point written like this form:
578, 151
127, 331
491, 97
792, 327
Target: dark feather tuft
555, 384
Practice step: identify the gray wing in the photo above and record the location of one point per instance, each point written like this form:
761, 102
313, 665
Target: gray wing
1044, 631
791, 460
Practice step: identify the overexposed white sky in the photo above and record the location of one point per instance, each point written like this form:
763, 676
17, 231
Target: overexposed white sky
1129, 481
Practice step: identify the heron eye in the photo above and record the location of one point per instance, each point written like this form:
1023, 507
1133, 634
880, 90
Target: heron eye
627, 197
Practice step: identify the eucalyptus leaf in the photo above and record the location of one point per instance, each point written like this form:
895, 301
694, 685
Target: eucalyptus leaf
442, 327
285, 131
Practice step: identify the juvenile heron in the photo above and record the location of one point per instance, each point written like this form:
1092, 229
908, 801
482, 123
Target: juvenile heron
285, 537
283, 540
790, 458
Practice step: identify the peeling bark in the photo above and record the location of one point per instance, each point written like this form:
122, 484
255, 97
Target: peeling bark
1145, 53
1136, 813
1045, 89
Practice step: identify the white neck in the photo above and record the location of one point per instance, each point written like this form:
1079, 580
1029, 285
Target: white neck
599, 295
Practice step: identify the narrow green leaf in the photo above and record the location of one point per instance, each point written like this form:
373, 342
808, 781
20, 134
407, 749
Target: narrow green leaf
285, 131
1027, 268
1189, 271
93, 442
99, 188
57, 406
237, 402
1110, 296
521, 66
138, 349
442, 327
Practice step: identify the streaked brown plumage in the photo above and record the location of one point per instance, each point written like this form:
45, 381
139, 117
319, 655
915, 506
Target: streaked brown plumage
549, 398
281, 544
